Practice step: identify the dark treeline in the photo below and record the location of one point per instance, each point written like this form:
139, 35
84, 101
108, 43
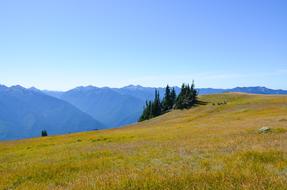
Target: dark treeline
44, 133
185, 100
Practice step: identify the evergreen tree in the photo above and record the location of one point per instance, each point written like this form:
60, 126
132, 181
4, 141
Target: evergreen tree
167, 102
147, 112
180, 97
156, 105
144, 114
173, 97
194, 93
185, 100
152, 108
187, 97
44, 133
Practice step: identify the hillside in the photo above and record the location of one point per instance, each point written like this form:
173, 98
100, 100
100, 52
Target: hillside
212, 146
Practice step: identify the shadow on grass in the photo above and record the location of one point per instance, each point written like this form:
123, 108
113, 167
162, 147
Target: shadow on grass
200, 103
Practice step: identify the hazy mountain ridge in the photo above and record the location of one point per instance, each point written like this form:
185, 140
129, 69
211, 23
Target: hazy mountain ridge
112, 106
251, 90
25, 112
105, 104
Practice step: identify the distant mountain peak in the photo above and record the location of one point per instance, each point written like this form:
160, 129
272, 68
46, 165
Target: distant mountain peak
81, 88
133, 87
18, 87
26, 111
250, 87
34, 89
3, 86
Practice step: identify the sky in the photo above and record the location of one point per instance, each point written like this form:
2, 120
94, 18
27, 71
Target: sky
61, 44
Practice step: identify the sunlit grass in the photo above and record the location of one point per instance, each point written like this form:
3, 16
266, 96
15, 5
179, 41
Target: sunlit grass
212, 146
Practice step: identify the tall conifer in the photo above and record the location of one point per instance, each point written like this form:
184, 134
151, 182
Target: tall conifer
167, 102
173, 97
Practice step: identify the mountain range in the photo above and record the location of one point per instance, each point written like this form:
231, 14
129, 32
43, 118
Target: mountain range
120, 106
250, 90
113, 107
26, 112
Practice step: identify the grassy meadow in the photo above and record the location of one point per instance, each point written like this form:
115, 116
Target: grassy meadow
215, 145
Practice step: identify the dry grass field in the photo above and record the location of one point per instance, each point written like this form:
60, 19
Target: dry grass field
211, 146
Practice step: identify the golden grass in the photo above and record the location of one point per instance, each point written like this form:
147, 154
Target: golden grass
207, 147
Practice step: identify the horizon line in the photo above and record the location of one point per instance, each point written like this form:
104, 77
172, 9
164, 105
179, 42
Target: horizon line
132, 85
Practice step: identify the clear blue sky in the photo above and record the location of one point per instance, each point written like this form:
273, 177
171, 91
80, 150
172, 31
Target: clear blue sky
60, 44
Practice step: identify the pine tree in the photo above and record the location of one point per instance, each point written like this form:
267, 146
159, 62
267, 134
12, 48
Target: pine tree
180, 98
185, 100
167, 102
156, 105
150, 112
187, 97
147, 112
194, 93
44, 133
173, 97
144, 114
152, 108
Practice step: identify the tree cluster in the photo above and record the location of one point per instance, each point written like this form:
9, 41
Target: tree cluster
44, 133
187, 97
185, 100
152, 108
